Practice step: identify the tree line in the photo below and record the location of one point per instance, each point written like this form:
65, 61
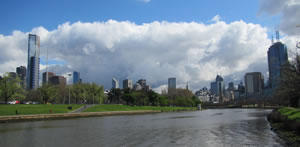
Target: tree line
80, 93
182, 97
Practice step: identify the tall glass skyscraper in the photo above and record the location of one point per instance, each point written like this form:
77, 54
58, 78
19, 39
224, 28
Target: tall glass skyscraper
277, 56
33, 64
76, 77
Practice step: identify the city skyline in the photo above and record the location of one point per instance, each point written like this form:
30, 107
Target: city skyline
193, 50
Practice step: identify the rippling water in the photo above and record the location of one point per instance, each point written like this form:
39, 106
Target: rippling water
211, 128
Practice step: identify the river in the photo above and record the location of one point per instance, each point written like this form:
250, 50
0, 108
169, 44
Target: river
207, 128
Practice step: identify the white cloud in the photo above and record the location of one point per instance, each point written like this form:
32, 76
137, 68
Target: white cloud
145, 1
191, 52
216, 18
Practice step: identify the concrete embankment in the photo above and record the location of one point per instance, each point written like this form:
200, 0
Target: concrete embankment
16, 118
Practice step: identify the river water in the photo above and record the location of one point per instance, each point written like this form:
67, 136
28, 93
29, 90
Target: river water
208, 128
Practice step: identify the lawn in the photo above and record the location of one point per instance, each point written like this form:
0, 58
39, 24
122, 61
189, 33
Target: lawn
292, 113
110, 107
35, 109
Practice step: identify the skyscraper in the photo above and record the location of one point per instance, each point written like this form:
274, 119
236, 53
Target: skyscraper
115, 83
218, 87
254, 82
277, 56
171, 85
50, 74
33, 63
127, 84
21, 73
76, 77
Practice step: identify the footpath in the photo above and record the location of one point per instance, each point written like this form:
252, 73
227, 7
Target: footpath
81, 109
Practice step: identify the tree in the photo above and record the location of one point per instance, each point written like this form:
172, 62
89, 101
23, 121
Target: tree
48, 93
288, 91
153, 98
115, 95
10, 88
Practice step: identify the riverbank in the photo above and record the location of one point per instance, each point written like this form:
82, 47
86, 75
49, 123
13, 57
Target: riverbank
92, 111
23, 109
285, 122
17, 118
116, 107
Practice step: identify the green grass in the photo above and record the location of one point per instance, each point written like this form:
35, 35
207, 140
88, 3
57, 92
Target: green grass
35, 109
110, 107
292, 113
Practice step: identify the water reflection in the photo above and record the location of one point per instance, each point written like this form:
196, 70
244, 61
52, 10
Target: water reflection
225, 127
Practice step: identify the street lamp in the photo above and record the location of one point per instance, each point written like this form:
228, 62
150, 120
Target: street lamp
69, 87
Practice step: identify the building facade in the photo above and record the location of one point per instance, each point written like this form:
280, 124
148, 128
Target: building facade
277, 57
57, 80
33, 63
127, 84
21, 73
218, 87
254, 82
115, 83
171, 85
76, 77
50, 74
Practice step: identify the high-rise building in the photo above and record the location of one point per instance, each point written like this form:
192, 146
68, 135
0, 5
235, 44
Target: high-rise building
21, 73
33, 63
76, 77
277, 57
127, 84
115, 83
254, 82
57, 80
213, 87
231, 86
50, 74
218, 87
171, 85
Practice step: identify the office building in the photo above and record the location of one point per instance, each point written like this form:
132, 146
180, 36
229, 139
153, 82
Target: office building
218, 87
21, 73
76, 77
254, 82
172, 86
231, 86
50, 74
57, 80
115, 83
33, 63
277, 57
127, 84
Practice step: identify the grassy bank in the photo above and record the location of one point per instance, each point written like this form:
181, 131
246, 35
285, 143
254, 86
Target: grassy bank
285, 122
108, 107
35, 109
292, 113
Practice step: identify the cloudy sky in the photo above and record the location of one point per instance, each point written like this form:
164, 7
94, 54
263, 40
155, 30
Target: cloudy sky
152, 39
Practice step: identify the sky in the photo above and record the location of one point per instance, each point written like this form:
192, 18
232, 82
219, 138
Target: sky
151, 39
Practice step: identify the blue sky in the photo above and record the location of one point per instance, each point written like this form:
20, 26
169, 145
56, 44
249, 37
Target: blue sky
24, 15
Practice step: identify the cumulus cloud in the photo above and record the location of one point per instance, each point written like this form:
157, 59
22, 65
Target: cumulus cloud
192, 52
289, 11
